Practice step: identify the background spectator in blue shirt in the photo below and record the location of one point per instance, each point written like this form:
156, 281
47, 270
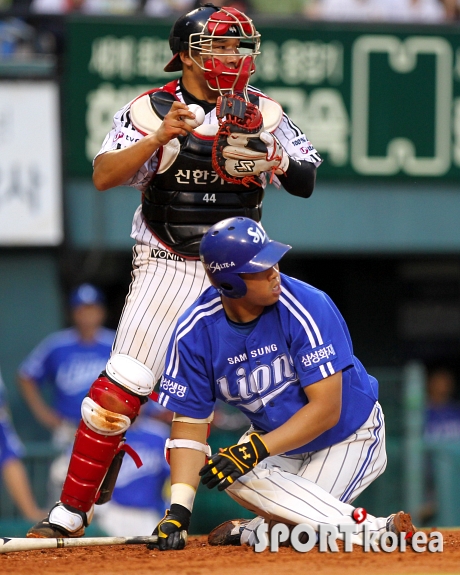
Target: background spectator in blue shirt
442, 424
442, 418
66, 362
12, 469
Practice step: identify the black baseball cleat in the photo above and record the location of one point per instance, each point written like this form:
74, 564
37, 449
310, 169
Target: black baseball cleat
401, 523
228, 533
63, 521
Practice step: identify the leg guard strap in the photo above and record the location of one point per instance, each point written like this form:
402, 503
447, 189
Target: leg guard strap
108, 485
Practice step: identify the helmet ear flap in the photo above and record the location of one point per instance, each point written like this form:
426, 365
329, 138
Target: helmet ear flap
229, 285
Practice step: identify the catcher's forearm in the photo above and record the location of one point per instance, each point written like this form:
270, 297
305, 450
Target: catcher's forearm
116, 167
299, 179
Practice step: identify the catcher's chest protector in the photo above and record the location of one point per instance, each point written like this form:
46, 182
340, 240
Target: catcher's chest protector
188, 197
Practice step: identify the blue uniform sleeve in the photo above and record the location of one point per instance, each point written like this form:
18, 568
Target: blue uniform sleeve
186, 385
11, 446
321, 344
35, 366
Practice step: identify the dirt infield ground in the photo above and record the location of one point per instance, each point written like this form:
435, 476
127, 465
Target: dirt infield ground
201, 559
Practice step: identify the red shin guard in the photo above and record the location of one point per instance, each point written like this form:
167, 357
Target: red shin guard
93, 452
91, 457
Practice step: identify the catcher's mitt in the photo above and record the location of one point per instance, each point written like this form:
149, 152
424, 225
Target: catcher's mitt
241, 149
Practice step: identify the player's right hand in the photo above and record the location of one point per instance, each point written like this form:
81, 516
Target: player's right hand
172, 529
173, 124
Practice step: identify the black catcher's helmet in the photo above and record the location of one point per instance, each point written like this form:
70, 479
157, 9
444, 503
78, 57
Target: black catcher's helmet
191, 23
196, 31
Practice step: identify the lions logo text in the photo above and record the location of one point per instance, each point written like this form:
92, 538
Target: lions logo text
260, 385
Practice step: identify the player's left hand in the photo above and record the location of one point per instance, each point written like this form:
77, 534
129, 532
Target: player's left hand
242, 150
244, 157
232, 462
172, 529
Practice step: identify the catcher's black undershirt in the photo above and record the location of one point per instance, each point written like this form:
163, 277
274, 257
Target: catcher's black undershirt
190, 99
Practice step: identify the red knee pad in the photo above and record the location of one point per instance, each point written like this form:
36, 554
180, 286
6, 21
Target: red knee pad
93, 452
114, 398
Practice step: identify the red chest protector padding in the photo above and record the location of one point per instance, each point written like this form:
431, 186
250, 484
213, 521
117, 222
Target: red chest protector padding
93, 452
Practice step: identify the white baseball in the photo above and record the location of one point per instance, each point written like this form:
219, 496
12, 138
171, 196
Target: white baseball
199, 116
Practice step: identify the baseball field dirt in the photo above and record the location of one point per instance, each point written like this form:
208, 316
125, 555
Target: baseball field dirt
199, 558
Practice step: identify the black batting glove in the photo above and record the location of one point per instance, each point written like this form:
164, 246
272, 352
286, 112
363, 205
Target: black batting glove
232, 462
172, 529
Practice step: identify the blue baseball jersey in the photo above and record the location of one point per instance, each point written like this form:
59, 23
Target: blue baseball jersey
442, 423
298, 341
10, 444
143, 487
70, 366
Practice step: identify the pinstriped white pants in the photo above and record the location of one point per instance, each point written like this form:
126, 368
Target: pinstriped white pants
316, 487
161, 290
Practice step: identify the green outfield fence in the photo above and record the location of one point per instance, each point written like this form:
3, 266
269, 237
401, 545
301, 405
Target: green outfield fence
400, 487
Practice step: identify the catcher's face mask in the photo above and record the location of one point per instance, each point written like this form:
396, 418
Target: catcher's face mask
208, 49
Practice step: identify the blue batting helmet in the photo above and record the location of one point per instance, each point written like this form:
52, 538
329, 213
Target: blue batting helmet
234, 246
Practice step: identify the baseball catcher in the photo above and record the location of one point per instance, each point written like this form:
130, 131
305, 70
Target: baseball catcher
191, 174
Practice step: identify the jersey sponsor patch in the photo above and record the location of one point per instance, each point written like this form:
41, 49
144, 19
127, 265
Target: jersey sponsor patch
173, 388
318, 356
306, 151
301, 141
161, 254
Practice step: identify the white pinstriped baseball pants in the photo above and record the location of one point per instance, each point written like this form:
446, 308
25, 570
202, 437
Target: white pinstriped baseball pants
316, 487
160, 291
